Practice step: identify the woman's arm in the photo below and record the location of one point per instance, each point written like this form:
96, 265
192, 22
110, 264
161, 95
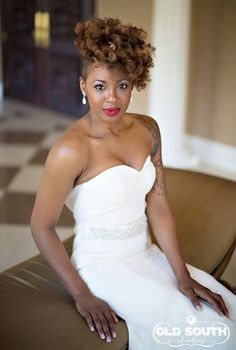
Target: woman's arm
163, 225
160, 215
63, 165
60, 171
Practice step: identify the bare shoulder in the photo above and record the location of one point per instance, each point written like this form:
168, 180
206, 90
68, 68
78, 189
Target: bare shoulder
159, 186
64, 164
144, 118
68, 156
66, 149
152, 126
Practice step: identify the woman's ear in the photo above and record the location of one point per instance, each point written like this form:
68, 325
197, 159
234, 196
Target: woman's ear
82, 85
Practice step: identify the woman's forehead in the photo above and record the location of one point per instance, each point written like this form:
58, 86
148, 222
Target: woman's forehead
101, 71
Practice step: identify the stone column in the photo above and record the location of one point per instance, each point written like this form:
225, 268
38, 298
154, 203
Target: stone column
1, 75
167, 97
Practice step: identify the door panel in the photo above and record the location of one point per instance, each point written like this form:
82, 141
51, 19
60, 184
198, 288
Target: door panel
22, 69
19, 56
64, 89
40, 63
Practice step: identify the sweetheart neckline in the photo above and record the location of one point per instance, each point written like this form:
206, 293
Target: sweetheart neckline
111, 168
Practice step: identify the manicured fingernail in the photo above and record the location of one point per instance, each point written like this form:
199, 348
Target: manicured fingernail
92, 328
108, 339
114, 334
103, 336
199, 308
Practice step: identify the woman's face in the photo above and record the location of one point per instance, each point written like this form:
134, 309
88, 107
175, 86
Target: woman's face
108, 92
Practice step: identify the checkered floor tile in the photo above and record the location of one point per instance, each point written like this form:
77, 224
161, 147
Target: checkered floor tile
26, 136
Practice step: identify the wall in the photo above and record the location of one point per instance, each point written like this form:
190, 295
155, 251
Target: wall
139, 13
211, 111
1, 78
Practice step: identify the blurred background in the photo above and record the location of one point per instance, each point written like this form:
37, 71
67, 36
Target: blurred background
192, 94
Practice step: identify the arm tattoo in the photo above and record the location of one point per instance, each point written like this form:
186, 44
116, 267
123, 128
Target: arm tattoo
159, 186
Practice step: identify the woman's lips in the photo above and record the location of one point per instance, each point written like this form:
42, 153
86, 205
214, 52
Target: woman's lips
111, 111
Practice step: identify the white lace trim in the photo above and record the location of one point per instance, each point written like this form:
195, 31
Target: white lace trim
92, 232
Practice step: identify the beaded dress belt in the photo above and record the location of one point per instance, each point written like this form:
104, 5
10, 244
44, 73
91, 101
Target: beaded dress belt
94, 232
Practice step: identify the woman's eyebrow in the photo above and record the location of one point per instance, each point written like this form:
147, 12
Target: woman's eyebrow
101, 81
104, 81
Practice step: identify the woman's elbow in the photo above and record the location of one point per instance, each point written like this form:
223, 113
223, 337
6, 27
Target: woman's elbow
40, 226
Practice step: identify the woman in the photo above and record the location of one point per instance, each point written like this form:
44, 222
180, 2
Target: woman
107, 167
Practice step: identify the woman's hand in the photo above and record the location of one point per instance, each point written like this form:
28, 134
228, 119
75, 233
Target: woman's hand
98, 315
196, 291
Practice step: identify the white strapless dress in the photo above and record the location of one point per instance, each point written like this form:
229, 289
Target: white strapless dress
113, 253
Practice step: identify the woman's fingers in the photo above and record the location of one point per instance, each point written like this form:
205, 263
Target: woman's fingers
113, 314
222, 304
98, 315
213, 298
102, 326
89, 321
110, 320
103, 322
195, 292
189, 292
98, 326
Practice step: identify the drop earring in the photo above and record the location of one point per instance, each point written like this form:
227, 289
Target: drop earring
131, 97
84, 98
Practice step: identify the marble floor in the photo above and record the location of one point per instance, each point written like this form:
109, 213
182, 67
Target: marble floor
26, 135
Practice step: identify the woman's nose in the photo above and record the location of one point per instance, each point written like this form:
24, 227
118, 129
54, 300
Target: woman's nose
111, 96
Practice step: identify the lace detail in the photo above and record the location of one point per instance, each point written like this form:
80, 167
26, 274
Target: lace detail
89, 232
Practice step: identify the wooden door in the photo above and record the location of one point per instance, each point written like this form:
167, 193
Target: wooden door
40, 63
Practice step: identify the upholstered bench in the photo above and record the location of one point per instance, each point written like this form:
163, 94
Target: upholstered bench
36, 312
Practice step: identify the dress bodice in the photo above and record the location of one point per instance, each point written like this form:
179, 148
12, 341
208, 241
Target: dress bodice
114, 197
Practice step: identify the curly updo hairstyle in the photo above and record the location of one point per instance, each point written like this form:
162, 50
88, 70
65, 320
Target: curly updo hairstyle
109, 42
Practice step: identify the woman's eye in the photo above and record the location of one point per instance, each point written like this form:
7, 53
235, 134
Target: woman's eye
99, 87
123, 86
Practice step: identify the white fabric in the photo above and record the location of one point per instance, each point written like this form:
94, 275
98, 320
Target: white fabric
113, 253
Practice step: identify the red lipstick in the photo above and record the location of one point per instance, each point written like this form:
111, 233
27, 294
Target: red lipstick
111, 112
